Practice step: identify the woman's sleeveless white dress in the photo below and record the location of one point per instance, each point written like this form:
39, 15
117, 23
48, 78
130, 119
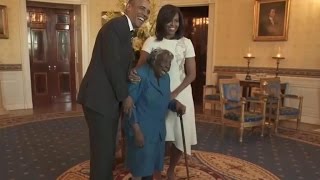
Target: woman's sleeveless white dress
181, 49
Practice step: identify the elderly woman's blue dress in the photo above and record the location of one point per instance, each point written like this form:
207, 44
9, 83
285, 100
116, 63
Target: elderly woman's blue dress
152, 100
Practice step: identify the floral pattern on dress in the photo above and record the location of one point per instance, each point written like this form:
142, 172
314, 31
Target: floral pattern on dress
180, 53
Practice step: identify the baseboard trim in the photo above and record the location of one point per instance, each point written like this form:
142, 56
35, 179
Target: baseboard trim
10, 67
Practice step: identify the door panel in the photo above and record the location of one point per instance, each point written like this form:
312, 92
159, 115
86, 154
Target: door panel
63, 57
196, 29
51, 55
38, 37
64, 87
63, 46
40, 83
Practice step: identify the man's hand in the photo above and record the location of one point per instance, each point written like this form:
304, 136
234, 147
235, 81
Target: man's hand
128, 105
138, 135
180, 108
133, 76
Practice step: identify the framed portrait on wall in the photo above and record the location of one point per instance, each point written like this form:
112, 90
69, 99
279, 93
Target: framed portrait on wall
271, 18
107, 15
4, 34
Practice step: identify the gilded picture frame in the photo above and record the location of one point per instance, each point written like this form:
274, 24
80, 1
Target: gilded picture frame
271, 20
4, 34
107, 15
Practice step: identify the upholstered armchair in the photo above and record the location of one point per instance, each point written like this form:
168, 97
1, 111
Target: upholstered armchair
210, 96
276, 109
211, 93
234, 113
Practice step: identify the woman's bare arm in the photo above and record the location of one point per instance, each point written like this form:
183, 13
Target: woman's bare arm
190, 67
142, 59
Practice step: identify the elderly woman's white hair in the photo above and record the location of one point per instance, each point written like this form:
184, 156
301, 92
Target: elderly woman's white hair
158, 54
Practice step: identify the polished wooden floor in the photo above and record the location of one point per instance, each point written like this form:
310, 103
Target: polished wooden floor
69, 107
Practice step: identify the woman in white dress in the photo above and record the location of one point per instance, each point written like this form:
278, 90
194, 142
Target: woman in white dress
169, 35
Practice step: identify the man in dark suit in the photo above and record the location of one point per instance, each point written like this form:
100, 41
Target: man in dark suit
104, 87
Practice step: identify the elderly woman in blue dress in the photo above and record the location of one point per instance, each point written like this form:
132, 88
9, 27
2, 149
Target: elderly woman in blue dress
145, 125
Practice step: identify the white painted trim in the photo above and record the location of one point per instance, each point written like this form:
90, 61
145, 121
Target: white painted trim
13, 95
214, 43
211, 43
24, 44
16, 106
85, 38
26, 79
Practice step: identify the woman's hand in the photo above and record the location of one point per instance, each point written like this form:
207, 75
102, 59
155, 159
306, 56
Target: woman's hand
133, 76
128, 105
138, 135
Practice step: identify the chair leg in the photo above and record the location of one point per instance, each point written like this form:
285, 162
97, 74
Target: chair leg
262, 130
203, 106
298, 123
241, 134
276, 125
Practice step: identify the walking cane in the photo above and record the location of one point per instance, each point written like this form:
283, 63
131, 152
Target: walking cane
184, 146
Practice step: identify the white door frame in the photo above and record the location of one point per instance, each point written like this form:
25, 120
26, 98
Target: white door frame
24, 43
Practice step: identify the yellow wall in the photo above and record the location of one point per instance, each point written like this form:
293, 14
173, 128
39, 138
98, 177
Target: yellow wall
95, 9
10, 48
234, 34
233, 21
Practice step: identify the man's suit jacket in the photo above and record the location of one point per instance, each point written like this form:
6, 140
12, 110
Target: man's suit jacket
104, 85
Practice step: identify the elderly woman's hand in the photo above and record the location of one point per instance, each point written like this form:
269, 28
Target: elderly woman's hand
180, 108
138, 135
133, 76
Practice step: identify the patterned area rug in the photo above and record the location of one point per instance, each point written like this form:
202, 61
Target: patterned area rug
204, 165
302, 136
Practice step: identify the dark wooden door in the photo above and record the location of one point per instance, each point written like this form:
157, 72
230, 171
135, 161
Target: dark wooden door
51, 51
196, 29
